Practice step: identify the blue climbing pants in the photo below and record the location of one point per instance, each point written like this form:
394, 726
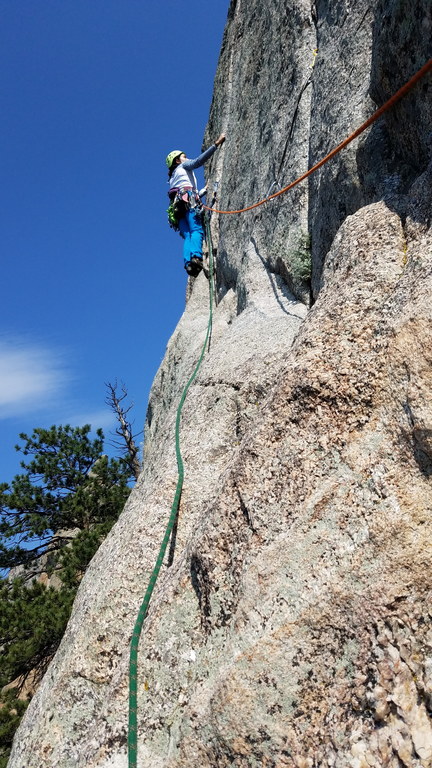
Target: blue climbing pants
191, 229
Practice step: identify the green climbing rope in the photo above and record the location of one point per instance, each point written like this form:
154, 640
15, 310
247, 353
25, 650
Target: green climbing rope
133, 658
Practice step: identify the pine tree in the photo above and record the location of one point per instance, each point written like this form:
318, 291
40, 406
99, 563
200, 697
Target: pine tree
68, 486
54, 515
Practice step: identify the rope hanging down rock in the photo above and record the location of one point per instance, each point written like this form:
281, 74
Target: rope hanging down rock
133, 658
388, 104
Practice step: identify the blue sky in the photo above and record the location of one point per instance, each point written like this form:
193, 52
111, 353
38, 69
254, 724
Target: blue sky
93, 95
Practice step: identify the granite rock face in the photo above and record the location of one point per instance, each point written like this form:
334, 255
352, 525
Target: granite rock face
293, 627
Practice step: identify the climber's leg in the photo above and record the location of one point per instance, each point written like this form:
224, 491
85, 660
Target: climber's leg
186, 234
196, 233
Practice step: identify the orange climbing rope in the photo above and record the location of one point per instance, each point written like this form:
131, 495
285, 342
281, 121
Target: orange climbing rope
398, 95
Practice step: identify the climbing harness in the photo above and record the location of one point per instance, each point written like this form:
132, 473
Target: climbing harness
396, 96
133, 658
182, 200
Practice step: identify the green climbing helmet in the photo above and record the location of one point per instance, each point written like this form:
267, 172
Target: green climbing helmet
172, 156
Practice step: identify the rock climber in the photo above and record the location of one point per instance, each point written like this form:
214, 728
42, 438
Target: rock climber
186, 203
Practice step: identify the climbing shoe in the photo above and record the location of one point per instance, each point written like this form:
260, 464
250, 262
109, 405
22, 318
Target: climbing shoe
197, 261
192, 269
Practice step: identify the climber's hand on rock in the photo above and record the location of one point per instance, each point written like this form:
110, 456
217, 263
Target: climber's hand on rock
220, 140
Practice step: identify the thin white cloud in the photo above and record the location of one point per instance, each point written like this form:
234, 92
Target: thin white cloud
31, 377
103, 419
